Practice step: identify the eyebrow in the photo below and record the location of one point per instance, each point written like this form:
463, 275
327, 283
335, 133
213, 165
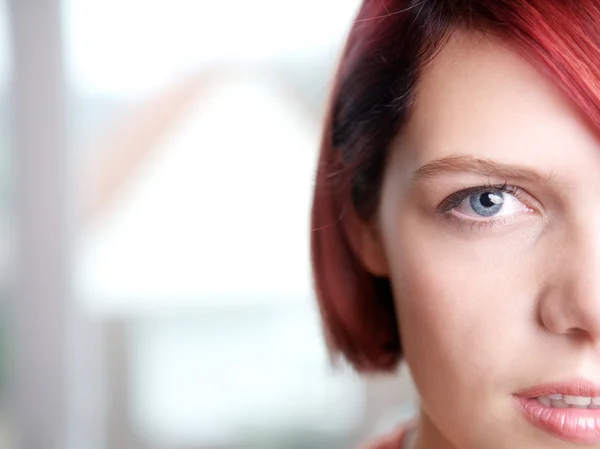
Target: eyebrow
485, 167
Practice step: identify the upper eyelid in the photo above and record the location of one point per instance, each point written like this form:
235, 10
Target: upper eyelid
449, 202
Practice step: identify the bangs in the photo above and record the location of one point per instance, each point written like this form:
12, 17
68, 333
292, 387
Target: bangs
561, 38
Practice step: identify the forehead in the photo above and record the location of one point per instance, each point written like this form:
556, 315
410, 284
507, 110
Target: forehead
480, 97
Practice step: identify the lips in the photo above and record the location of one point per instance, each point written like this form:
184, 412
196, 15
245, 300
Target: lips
566, 410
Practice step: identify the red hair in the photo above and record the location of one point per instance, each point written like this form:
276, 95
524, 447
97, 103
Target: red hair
390, 43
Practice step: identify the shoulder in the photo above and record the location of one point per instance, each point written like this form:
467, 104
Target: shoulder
392, 441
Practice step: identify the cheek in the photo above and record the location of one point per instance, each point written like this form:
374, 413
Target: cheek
466, 309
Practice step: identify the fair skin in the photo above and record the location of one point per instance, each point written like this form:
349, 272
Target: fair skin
490, 305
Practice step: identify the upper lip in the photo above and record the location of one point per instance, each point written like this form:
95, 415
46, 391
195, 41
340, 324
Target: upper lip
573, 387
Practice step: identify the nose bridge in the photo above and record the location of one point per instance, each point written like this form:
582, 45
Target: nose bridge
585, 262
578, 279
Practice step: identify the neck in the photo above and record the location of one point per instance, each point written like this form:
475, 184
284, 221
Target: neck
426, 436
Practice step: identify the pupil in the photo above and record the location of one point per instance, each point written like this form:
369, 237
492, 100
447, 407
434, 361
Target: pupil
486, 200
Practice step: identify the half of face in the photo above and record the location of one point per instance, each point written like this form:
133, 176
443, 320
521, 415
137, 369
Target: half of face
489, 230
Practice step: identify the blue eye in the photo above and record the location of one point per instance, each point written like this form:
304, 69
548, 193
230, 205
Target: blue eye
487, 204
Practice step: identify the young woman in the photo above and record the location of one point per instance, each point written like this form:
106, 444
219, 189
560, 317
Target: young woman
456, 216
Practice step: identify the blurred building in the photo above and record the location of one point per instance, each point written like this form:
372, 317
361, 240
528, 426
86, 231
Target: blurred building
192, 130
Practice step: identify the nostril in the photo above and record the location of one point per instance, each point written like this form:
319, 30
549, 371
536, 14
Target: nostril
577, 333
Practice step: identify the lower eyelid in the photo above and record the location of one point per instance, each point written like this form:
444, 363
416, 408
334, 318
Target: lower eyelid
471, 223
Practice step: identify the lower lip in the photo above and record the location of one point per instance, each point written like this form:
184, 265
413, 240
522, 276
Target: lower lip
578, 425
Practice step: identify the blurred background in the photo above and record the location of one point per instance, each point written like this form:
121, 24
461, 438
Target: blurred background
156, 165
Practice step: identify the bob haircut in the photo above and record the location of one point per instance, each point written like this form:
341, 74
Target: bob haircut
389, 45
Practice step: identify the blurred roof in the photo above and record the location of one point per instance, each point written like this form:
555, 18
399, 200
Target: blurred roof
211, 202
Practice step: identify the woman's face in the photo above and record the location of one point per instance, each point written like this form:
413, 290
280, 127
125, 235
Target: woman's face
498, 287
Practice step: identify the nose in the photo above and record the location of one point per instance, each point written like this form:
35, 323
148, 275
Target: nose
569, 303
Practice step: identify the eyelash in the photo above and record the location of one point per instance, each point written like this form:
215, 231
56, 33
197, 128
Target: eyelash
454, 200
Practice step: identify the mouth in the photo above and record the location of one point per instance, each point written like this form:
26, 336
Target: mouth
567, 401
569, 410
